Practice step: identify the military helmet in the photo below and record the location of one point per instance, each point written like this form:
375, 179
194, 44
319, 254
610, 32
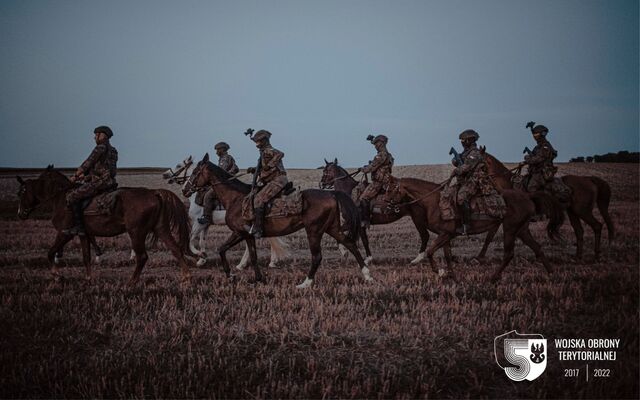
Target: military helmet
260, 135
469, 134
221, 145
541, 129
379, 138
104, 129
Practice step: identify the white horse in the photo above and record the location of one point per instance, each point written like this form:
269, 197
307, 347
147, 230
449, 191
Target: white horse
279, 249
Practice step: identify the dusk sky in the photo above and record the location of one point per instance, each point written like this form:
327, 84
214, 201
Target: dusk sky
172, 78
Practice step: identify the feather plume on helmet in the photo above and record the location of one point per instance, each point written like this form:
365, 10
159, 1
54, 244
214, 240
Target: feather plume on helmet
379, 138
541, 129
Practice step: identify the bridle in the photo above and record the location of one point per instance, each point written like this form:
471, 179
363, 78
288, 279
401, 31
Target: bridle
331, 185
175, 176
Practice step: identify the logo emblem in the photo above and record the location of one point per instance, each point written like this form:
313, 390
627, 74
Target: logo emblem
521, 356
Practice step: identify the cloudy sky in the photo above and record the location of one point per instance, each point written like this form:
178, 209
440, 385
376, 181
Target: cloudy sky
172, 78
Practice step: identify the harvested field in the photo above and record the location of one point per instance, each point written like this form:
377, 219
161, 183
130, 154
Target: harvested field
410, 334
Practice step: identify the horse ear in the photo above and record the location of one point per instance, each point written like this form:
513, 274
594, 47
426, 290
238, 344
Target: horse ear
49, 167
20, 180
483, 149
326, 162
190, 157
206, 158
335, 161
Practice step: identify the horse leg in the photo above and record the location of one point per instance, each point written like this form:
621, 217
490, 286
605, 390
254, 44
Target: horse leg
314, 239
365, 242
253, 255
424, 239
509, 245
139, 248
596, 226
487, 241
96, 248
442, 240
56, 248
245, 258
86, 256
165, 235
527, 238
579, 231
278, 251
231, 241
352, 246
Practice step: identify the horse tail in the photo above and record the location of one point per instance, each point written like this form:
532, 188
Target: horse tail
173, 214
602, 200
348, 215
548, 205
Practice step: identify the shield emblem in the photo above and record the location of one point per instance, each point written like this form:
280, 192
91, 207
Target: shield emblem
521, 356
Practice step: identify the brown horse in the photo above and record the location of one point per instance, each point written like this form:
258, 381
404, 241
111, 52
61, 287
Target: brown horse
322, 212
521, 207
586, 193
336, 177
138, 211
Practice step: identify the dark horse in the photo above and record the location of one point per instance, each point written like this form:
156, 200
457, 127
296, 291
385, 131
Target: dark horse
521, 207
322, 212
586, 193
137, 211
336, 177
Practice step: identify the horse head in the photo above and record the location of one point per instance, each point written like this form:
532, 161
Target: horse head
330, 172
198, 179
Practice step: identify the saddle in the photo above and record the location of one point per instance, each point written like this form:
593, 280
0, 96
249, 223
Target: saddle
102, 204
287, 202
483, 207
383, 202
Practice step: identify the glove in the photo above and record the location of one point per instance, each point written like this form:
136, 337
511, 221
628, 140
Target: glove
251, 170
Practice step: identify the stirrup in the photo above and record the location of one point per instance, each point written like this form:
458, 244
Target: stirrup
74, 231
257, 233
204, 220
462, 230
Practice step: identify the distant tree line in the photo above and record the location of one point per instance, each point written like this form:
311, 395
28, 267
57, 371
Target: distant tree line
619, 157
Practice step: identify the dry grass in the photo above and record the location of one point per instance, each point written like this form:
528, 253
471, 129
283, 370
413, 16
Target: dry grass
407, 335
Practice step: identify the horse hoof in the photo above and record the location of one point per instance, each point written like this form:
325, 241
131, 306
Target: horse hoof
132, 282
273, 265
240, 267
201, 262
442, 272
307, 283
368, 260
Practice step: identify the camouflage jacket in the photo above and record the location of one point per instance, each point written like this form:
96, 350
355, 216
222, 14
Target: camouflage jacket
271, 165
472, 164
541, 159
100, 166
380, 167
227, 163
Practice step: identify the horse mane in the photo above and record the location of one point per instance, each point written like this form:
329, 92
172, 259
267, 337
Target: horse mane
54, 177
498, 165
227, 178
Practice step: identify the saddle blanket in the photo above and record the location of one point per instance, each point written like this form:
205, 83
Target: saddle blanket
482, 206
102, 204
280, 207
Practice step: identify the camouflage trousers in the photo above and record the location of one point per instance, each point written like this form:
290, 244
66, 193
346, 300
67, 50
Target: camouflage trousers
269, 191
210, 201
86, 190
534, 182
371, 191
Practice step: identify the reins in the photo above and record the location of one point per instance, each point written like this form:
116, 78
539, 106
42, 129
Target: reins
440, 187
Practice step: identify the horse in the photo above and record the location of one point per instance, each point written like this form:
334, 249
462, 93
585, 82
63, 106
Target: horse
586, 193
521, 207
198, 235
323, 212
138, 211
336, 177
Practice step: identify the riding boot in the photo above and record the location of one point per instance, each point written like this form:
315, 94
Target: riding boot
466, 219
207, 215
257, 229
365, 210
78, 222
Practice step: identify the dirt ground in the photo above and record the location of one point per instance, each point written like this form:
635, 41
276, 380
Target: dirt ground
409, 334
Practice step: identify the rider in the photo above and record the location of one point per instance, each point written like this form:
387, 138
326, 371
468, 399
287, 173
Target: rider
96, 175
380, 169
271, 175
472, 176
227, 163
540, 162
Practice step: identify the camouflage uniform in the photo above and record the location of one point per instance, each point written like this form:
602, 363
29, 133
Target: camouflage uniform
472, 176
227, 163
273, 176
99, 171
540, 166
380, 168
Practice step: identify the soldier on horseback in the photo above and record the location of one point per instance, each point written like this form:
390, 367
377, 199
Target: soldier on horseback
380, 169
472, 177
96, 175
269, 174
540, 160
226, 162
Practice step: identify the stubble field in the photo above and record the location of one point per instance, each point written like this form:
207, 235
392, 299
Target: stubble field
409, 334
